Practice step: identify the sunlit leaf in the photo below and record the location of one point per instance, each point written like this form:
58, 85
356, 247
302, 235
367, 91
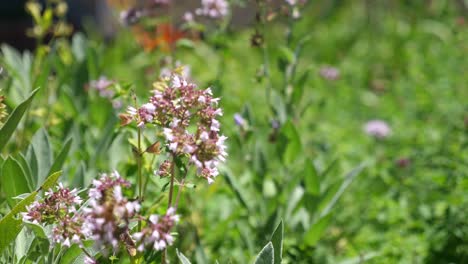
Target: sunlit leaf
311, 178
335, 192
44, 154
14, 180
61, 157
277, 241
13, 120
315, 232
266, 256
183, 259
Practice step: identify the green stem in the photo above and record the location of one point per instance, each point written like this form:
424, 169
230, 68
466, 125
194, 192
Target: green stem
139, 161
171, 187
145, 185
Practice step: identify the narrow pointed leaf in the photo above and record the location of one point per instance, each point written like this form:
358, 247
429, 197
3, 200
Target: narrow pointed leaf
277, 240
311, 179
61, 157
14, 180
266, 256
183, 259
44, 154
332, 196
316, 231
13, 120
27, 171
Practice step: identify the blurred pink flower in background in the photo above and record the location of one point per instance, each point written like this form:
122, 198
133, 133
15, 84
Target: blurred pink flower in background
213, 8
329, 73
377, 128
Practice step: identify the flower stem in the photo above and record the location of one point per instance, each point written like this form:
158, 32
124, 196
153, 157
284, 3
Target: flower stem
171, 187
139, 161
139, 179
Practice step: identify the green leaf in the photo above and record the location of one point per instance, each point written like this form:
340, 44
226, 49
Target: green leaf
19, 67
10, 226
311, 178
279, 106
51, 180
231, 181
23, 244
60, 159
185, 43
32, 162
27, 171
37, 229
335, 192
75, 255
183, 259
266, 256
287, 54
44, 154
13, 120
294, 200
360, 259
71, 254
316, 231
298, 91
14, 180
293, 147
277, 241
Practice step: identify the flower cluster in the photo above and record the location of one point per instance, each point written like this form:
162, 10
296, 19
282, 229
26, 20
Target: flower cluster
105, 219
378, 129
108, 214
157, 233
104, 87
213, 8
58, 207
176, 106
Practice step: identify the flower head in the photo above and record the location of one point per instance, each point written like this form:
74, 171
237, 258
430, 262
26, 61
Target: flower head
377, 128
157, 233
213, 8
58, 208
105, 90
239, 120
189, 120
108, 214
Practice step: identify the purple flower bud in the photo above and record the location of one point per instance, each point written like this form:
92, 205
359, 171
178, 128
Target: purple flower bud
377, 128
239, 120
275, 124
